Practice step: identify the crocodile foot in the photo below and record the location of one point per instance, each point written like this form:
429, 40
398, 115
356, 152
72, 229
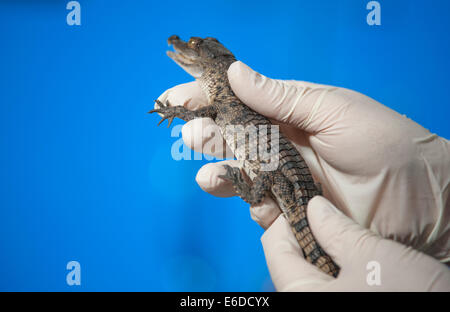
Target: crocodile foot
241, 187
166, 110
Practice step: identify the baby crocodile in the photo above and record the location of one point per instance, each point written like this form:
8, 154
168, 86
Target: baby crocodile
290, 182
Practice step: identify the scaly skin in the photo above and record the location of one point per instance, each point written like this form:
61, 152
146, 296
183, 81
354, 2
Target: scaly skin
290, 183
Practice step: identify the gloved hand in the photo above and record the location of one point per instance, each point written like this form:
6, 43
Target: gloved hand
378, 167
368, 262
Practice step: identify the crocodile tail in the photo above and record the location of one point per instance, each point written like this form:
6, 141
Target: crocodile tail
294, 167
309, 245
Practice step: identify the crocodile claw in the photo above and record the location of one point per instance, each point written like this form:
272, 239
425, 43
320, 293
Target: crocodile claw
165, 110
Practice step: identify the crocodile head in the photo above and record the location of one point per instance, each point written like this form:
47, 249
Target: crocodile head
198, 54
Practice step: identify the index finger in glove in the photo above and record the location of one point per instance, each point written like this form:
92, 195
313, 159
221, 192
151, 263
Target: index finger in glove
189, 95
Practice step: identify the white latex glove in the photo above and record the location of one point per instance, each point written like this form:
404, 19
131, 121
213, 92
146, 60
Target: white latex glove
378, 167
368, 262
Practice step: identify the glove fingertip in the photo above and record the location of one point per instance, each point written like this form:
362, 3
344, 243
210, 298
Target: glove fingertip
235, 71
203, 177
243, 82
271, 98
321, 208
208, 178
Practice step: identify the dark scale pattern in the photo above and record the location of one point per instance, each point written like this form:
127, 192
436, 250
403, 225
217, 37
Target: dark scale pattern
290, 183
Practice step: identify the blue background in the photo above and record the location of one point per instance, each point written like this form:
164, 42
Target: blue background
86, 175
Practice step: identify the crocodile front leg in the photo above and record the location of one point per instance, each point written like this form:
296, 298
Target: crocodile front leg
170, 112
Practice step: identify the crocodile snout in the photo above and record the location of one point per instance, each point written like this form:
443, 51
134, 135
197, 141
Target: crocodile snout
172, 39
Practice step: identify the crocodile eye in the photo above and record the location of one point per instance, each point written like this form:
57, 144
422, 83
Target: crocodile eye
194, 42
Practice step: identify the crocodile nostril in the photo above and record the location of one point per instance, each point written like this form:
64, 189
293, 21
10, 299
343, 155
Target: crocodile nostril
173, 38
